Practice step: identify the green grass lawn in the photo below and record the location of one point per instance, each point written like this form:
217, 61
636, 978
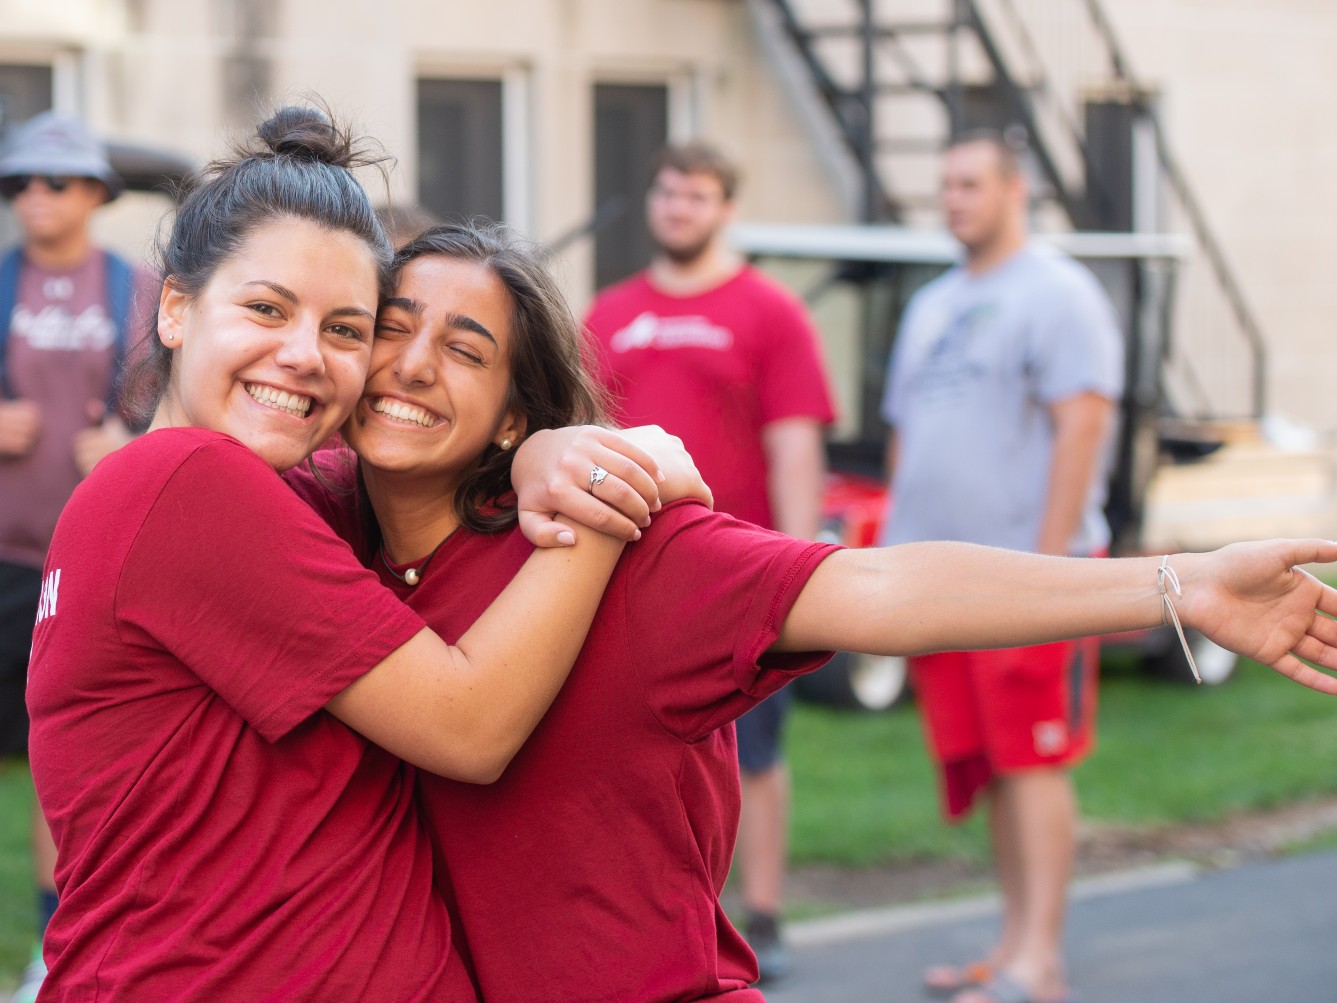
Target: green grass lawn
864, 793
16, 888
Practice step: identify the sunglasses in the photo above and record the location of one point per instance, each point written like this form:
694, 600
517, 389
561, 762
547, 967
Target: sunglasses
16, 184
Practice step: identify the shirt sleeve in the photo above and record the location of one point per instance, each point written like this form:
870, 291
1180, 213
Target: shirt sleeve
328, 484
250, 590
705, 597
793, 380
1076, 346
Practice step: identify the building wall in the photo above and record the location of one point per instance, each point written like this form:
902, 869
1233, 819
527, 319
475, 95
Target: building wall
187, 74
1246, 91
1244, 87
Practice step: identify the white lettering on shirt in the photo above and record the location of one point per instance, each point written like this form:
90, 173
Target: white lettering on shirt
651, 331
46, 603
53, 328
58, 287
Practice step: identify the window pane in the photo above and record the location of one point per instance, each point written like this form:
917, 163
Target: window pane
459, 148
630, 127
24, 91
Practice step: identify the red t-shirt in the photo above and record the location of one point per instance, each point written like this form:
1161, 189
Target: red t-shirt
220, 836
591, 871
712, 369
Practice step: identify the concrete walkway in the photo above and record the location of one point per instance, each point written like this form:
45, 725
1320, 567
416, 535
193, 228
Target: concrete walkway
1259, 933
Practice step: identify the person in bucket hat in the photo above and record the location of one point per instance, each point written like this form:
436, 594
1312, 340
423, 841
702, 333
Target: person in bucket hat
55, 147
67, 312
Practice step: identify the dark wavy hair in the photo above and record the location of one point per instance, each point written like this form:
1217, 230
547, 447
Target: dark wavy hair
550, 384
297, 166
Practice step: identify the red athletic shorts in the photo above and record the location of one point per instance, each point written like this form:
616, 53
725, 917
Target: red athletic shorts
992, 712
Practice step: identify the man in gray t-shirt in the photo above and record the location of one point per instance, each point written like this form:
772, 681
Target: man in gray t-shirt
1001, 397
980, 362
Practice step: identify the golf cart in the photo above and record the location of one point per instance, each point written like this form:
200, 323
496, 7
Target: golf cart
857, 281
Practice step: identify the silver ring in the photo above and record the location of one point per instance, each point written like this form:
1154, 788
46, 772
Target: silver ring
597, 476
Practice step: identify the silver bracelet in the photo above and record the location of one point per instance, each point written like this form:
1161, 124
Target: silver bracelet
1167, 580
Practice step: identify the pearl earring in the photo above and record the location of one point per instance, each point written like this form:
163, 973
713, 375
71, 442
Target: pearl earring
505, 444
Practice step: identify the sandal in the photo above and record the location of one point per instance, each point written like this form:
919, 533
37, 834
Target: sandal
1002, 988
946, 980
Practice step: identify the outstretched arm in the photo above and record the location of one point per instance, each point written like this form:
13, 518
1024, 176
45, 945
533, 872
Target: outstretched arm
1248, 597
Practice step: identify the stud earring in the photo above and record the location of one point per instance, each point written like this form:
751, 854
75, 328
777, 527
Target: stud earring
505, 445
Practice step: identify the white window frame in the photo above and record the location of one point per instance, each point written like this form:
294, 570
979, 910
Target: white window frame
516, 79
65, 66
686, 93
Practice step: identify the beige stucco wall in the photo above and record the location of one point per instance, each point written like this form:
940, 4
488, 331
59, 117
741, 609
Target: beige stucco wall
152, 71
1247, 91
1245, 88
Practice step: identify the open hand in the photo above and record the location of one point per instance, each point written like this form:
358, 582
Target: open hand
1252, 599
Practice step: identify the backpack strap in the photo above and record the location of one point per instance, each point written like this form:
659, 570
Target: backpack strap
9, 294
120, 299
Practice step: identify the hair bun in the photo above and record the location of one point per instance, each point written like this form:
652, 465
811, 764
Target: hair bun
308, 134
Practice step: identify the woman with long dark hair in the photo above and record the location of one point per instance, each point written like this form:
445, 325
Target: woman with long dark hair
591, 870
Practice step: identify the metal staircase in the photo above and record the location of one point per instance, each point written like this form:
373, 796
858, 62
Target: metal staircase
897, 77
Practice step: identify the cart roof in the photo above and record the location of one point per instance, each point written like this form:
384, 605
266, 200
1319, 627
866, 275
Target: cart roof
848, 242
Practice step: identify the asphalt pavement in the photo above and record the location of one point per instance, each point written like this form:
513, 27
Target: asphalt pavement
1261, 932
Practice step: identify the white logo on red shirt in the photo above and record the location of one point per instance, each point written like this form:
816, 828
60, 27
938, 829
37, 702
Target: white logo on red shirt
651, 331
46, 603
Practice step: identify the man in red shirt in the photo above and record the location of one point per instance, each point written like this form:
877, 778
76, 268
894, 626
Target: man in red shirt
64, 324
719, 354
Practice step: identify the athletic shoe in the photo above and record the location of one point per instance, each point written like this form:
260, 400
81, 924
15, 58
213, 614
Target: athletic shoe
763, 936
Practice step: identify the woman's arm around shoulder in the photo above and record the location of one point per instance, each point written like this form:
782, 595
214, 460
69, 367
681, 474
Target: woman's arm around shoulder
462, 711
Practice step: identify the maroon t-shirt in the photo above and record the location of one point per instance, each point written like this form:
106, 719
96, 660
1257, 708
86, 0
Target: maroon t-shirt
220, 836
59, 355
713, 369
591, 871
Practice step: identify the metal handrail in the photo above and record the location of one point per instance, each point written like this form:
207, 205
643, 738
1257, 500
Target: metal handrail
1100, 210
853, 110
1202, 231
858, 136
